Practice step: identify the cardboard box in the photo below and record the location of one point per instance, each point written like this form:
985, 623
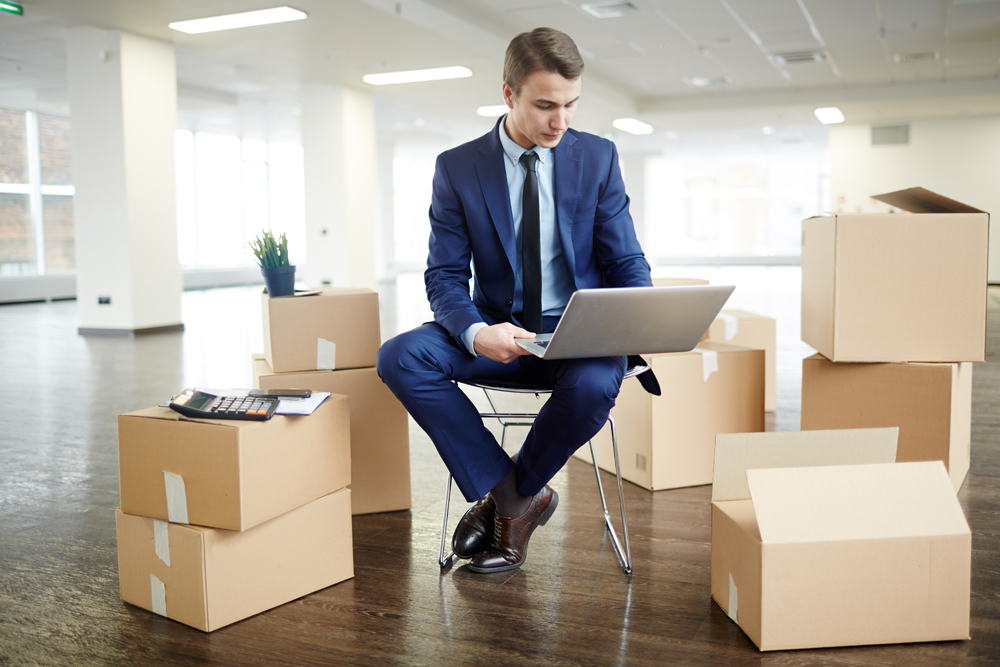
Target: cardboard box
746, 329
854, 551
673, 282
380, 437
930, 403
897, 287
336, 329
227, 473
208, 578
668, 441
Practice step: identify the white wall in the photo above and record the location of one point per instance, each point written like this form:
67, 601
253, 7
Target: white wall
956, 157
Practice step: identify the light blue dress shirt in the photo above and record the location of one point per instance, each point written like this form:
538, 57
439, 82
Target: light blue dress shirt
557, 281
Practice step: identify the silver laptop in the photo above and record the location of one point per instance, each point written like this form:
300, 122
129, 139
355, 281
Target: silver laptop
616, 321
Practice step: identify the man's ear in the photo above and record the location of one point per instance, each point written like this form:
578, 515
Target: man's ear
508, 95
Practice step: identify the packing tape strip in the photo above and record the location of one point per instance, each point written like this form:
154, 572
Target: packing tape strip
732, 325
177, 504
733, 598
326, 354
161, 537
709, 362
159, 595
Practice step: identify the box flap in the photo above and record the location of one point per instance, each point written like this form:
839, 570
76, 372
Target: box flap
921, 200
735, 453
855, 502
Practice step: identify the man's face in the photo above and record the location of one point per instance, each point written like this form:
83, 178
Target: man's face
543, 109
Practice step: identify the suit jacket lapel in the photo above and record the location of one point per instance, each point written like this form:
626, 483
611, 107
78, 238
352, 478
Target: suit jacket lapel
568, 181
493, 181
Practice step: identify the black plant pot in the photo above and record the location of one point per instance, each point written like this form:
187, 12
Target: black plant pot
280, 280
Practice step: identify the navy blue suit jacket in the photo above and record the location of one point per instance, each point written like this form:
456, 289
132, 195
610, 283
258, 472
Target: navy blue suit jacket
472, 224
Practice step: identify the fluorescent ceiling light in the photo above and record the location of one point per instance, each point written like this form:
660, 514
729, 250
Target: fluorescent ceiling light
492, 111
632, 126
418, 75
241, 20
829, 115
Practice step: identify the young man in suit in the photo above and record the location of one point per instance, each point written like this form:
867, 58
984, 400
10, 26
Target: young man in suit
539, 210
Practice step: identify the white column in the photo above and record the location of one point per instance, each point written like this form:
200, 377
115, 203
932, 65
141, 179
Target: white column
387, 212
123, 101
338, 142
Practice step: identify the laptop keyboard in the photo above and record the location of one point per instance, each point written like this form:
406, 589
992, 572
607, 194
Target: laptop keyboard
542, 343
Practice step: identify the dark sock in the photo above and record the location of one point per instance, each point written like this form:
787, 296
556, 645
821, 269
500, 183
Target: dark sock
511, 503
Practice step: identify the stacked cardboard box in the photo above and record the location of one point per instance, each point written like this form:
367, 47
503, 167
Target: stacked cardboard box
329, 342
746, 329
895, 304
820, 540
222, 519
668, 441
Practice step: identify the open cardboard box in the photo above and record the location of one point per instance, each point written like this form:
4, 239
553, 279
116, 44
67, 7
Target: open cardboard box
897, 287
208, 578
820, 540
228, 473
380, 438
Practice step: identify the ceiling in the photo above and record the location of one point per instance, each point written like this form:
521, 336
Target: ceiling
682, 66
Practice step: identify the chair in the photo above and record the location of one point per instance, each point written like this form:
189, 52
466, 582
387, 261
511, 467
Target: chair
519, 419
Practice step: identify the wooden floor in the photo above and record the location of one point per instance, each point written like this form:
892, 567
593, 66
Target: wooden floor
569, 605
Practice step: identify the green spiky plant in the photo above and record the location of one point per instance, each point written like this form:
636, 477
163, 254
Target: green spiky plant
268, 252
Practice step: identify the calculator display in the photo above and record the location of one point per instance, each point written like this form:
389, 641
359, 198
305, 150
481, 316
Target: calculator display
200, 400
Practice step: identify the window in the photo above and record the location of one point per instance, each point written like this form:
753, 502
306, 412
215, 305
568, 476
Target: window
36, 194
704, 203
229, 190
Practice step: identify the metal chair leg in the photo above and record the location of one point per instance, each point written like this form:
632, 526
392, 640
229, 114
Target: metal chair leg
442, 560
624, 555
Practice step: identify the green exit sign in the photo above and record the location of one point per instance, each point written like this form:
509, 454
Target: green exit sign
11, 8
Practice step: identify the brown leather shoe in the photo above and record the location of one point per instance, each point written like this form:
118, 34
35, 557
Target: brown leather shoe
474, 532
510, 536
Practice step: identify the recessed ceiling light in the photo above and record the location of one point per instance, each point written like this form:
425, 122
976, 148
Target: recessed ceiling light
767, 129
703, 81
609, 10
829, 115
632, 126
492, 111
415, 75
241, 20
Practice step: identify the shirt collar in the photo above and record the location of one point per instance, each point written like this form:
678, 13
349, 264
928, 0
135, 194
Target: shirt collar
514, 151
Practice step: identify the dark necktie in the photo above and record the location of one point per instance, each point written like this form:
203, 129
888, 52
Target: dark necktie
531, 248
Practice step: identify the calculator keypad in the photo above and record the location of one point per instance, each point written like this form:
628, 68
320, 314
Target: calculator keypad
250, 406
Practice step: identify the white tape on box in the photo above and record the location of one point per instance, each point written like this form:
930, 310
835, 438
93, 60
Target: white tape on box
733, 598
732, 325
177, 504
161, 536
709, 362
159, 595
326, 354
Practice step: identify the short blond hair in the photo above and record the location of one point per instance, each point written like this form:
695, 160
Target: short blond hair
542, 49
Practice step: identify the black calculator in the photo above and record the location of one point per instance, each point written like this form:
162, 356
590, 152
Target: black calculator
202, 405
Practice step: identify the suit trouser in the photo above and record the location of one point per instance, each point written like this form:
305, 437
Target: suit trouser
419, 367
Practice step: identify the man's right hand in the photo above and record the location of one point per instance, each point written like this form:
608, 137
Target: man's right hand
496, 342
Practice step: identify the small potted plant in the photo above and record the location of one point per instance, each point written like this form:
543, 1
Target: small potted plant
272, 257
